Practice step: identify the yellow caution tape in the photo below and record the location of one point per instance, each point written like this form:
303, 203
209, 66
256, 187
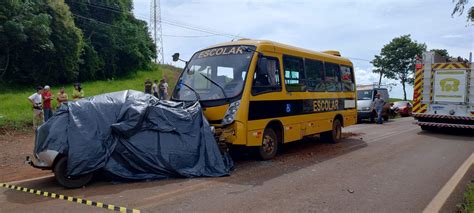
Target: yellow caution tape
70, 199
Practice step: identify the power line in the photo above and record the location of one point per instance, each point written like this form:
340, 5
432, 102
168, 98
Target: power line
359, 59
165, 21
104, 7
171, 23
201, 28
94, 20
164, 35
188, 36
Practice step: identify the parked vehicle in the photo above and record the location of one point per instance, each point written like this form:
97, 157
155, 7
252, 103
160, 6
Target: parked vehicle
365, 97
403, 108
444, 93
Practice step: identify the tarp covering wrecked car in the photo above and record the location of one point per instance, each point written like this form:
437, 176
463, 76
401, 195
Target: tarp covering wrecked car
134, 136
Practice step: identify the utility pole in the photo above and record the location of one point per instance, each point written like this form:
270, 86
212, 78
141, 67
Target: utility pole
155, 28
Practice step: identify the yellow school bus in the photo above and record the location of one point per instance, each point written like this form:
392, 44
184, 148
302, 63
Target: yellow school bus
262, 93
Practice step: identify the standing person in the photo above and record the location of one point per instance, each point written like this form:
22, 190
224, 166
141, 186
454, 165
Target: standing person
61, 97
161, 88
78, 92
148, 86
378, 106
36, 102
165, 85
47, 96
155, 88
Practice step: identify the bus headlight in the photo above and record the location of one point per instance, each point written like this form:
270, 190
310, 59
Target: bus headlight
230, 114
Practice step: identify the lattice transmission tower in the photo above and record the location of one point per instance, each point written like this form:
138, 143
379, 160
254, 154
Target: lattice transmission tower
155, 28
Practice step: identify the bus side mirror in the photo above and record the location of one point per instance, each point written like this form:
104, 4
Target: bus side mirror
262, 66
175, 57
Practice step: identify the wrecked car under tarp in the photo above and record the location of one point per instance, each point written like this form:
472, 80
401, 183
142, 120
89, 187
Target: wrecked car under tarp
131, 136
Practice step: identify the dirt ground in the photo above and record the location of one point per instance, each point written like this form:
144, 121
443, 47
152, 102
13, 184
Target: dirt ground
15, 146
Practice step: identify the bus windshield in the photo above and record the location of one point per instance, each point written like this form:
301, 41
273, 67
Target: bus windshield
215, 73
364, 95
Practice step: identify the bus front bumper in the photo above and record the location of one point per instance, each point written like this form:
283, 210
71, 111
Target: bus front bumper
231, 134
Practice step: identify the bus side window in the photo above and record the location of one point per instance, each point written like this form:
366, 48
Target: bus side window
294, 74
315, 73
333, 77
268, 81
347, 78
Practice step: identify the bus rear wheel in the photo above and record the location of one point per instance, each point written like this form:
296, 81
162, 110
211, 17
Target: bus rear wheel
269, 147
335, 134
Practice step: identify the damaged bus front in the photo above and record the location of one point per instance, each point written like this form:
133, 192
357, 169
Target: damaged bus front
216, 77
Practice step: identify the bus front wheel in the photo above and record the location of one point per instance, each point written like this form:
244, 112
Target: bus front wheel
335, 134
269, 146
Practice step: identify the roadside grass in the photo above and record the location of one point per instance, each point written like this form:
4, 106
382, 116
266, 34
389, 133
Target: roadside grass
16, 112
391, 100
468, 205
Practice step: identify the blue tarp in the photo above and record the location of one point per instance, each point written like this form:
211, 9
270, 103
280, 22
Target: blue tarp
135, 136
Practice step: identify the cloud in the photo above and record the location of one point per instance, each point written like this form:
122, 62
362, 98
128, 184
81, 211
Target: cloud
364, 76
357, 28
452, 36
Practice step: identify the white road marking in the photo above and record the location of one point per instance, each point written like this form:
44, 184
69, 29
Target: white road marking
438, 201
31, 179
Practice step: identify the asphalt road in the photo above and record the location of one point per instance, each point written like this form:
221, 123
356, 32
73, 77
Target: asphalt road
394, 167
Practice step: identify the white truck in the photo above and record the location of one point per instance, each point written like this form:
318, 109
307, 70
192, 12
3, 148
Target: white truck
443, 93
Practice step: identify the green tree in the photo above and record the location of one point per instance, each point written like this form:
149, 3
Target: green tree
117, 42
39, 42
381, 69
441, 52
397, 60
459, 9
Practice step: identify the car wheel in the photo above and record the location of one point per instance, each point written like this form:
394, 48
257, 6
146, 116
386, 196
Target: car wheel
385, 118
335, 134
60, 173
269, 147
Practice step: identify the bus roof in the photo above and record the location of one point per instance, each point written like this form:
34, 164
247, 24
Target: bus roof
276, 45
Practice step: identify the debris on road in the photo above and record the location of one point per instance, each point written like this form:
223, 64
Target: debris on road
351, 134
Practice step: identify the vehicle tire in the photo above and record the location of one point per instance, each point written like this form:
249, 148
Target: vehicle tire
335, 134
426, 128
269, 147
385, 118
60, 173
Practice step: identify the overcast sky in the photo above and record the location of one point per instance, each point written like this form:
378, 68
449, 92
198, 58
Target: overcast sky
358, 29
